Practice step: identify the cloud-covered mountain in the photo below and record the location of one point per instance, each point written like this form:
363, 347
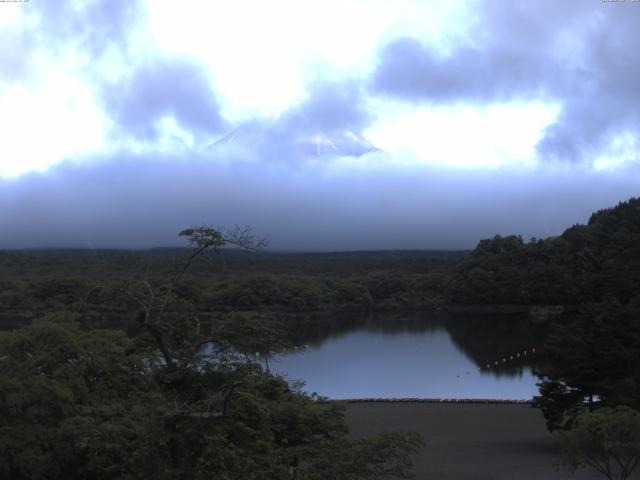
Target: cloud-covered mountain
429, 125
270, 137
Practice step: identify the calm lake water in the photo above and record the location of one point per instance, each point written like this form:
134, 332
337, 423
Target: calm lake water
420, 358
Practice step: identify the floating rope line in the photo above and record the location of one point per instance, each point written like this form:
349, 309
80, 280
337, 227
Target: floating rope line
503, 361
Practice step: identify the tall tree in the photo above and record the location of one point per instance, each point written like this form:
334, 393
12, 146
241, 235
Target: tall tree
607, 440
592, 361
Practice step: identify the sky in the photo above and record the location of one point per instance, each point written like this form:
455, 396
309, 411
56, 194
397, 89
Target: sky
334, 125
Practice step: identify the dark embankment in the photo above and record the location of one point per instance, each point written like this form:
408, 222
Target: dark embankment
468, 440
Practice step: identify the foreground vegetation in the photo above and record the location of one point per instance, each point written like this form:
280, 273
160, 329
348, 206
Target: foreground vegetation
93, 404
606, 440
135, 363
177, 399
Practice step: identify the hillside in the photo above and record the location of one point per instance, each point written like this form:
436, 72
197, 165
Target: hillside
586, 263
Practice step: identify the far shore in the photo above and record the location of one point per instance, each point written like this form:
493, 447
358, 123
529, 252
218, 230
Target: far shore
467, 439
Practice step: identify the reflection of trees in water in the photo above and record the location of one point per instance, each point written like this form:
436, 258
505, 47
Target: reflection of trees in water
482, 338
318, 329
486, 339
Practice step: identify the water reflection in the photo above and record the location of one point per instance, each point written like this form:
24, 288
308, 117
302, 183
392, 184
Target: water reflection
415, 357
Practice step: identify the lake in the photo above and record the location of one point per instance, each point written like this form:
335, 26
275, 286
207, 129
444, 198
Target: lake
418, 357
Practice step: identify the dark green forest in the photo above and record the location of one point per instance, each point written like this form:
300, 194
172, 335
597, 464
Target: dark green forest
586, 263
592, 271
131, 364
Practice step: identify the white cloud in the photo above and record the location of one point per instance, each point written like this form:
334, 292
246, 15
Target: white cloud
10, 13
264, 58
52, 121
262, 53
491, 136
622, 150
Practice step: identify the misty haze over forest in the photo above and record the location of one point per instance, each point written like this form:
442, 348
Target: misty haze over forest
136, 205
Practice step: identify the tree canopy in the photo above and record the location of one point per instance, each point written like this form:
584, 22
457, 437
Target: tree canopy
592, 361
606, 440
586, 263
77, 402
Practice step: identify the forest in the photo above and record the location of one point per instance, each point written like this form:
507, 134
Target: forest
133, 364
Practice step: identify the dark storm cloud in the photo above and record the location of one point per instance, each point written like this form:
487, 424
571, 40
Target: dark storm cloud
144, 202
581, 54
328, 123
160, 87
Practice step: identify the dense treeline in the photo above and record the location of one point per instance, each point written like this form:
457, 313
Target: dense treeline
593, 357
33, 283
586, 263
593, 361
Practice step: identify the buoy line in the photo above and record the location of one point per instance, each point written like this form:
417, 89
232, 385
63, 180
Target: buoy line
503, 361
432, 400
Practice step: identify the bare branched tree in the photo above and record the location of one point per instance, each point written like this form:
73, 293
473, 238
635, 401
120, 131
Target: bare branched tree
154, 301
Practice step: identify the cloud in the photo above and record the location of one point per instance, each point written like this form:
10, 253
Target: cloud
330, 107
164, 87
53, 55
328, 123
410, 70
15, 64
90, 25
144, 201
576, 53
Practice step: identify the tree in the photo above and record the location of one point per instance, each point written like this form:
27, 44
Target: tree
178, 339
587, 263
253, 333
606, 440
96, 404
75, 404
592, 362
